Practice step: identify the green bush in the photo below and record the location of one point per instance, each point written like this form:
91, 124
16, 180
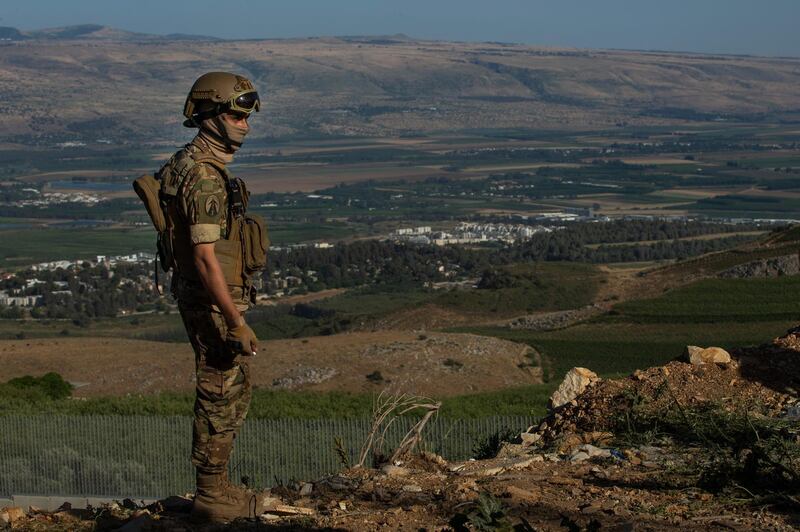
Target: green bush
51, 385
489, 446
743, 449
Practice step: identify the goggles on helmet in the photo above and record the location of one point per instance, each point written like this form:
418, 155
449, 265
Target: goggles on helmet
245, 103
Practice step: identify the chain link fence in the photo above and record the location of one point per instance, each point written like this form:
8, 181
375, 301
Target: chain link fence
148, 457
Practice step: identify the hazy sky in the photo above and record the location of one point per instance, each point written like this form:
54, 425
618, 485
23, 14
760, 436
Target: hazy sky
766, 27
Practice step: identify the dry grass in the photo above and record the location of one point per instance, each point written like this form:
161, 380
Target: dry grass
417, 363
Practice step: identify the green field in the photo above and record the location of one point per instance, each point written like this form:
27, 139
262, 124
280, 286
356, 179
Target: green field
615, 349
525, 401
719, 301
155, 326
28, 246
741, 206
723, 312
527, 287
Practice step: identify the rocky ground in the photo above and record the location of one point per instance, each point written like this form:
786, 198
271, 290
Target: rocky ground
547, 321
706, 443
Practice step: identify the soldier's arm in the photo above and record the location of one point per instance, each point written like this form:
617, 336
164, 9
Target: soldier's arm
204, 200
213, 280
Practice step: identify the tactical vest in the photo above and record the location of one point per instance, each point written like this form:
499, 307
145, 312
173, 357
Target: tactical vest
241, 252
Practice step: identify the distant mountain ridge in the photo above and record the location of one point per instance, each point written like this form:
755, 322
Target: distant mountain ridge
375, 85
95, 32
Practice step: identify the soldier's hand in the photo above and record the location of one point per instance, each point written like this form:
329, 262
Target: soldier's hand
242, 339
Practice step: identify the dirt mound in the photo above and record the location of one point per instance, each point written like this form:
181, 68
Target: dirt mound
762, 381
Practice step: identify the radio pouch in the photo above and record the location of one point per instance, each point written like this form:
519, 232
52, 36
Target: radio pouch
147, 188
256, 242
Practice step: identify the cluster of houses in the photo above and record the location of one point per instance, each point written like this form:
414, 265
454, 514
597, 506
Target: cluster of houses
44, 199
469, 233
21, 297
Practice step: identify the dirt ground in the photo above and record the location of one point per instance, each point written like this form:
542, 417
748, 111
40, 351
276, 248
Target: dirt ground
429, 364
531, 485
540, 496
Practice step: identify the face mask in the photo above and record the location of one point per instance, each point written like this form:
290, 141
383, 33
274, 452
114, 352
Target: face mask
235, 133
222, 137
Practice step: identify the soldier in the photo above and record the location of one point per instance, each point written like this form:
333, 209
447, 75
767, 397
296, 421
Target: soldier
214, 249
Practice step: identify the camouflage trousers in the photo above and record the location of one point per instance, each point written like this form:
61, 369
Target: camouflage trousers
223, 389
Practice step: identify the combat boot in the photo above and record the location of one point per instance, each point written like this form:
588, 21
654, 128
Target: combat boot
215, 501
237, 490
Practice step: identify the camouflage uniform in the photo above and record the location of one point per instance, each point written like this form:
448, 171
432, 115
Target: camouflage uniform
223, 378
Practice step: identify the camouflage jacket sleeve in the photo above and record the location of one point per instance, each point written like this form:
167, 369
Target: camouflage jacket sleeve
204, 204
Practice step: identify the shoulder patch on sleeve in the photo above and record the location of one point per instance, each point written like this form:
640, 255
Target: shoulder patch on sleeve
212, 205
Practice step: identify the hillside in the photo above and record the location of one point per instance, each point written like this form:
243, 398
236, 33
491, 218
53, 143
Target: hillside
690, 446
373, 86
91, 32
427, 364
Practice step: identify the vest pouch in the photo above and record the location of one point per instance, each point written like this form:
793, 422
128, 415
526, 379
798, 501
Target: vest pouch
147, 188
229, 255
256, 242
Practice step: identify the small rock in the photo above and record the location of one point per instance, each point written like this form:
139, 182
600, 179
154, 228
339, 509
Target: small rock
394, 471
306, 489
412, 488
520, 463
569, 442
711, 355
490, 471
285, 509
575, 383
434, 458
12, 514
632, 458
591, 509
595, 452
586, 451
529, 438
510, 450
598, 437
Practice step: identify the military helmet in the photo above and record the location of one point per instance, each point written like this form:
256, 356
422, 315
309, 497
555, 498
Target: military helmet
219, 92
